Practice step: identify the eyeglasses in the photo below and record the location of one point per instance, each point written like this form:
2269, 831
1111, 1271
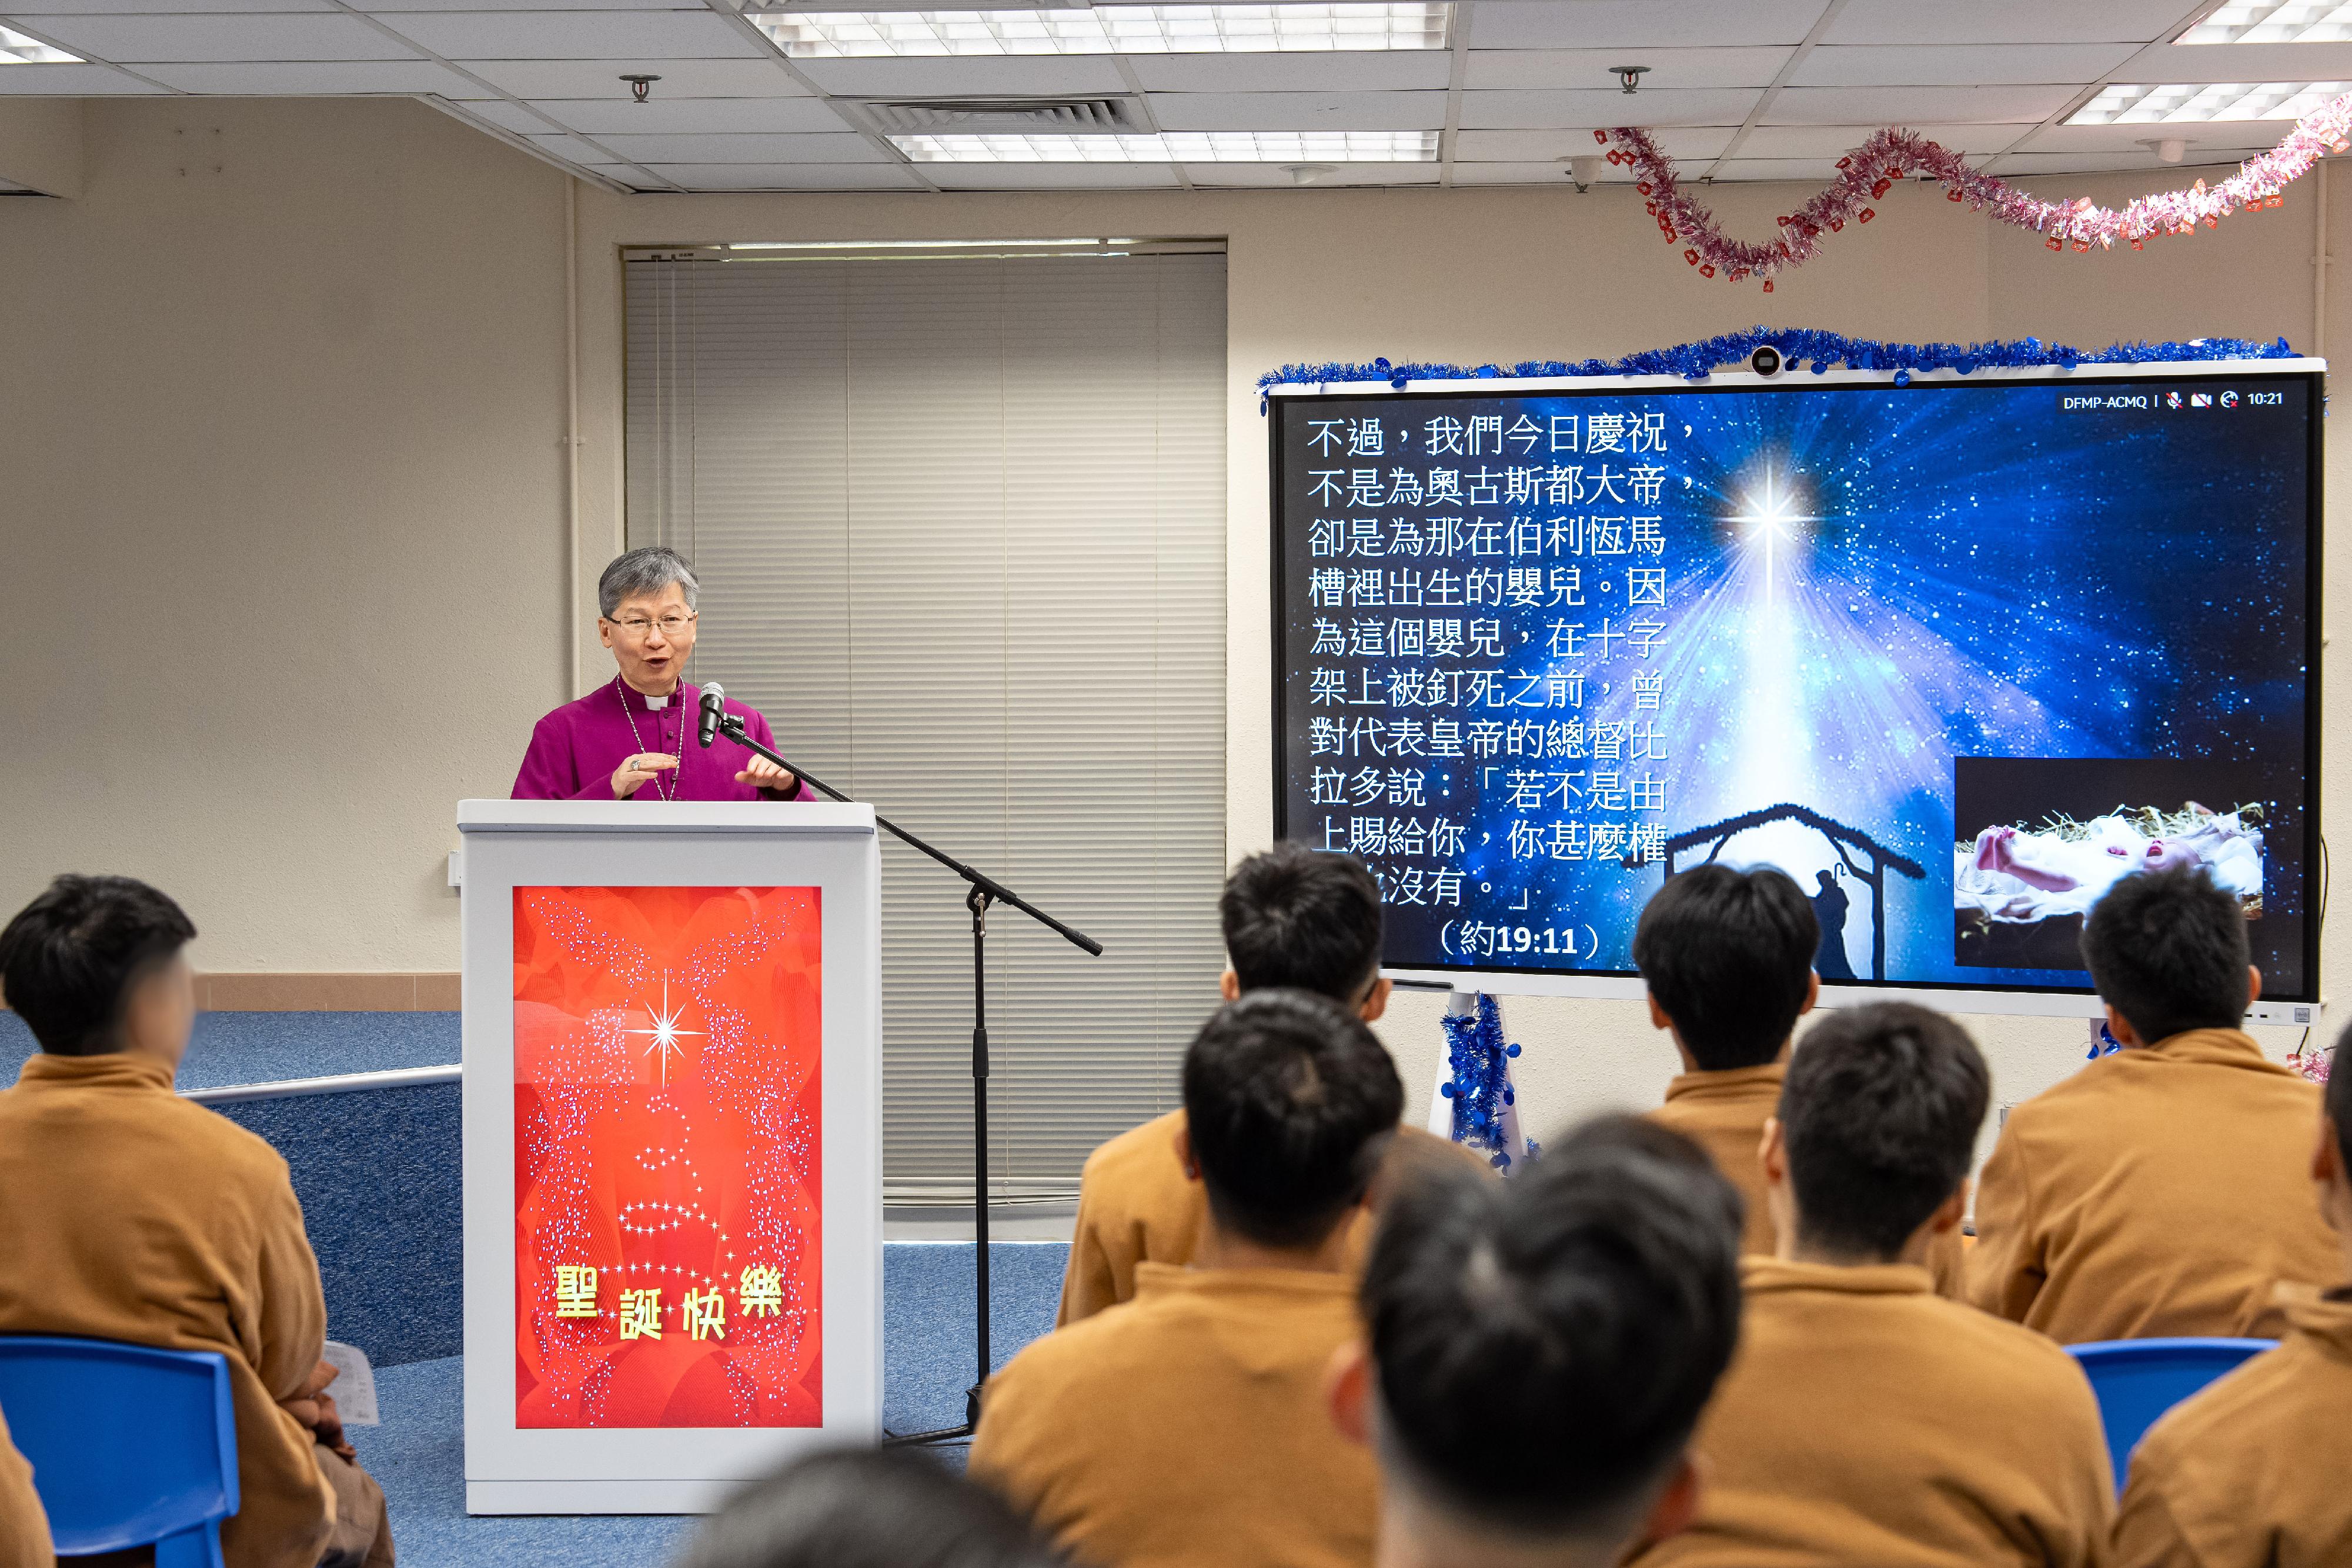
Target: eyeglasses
636, 626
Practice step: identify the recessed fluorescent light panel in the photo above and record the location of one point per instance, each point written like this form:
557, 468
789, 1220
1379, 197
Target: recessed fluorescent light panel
2275, 22
1181, 147
1110, 29
2197, 103
15, 49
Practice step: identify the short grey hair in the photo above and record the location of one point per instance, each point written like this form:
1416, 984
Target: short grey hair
643, 572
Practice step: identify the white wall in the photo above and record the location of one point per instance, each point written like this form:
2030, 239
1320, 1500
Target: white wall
284, 497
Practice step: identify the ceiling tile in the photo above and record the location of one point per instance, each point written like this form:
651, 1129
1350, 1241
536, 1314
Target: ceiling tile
2161, 176
1511, 174
1052, 176
601, 79
1299, 110
627, 175
1803, 171
389, 6
1594, 67
966, 78
1525, 146
138, 40
1273, 176
2072, 65
781, 177
2238, 62
2231, 138
1903, 105
510, 116
576, 35
309, 79
1526, 110
570, 149
2005, 22
841, 147
1336, 70
1640, 23
1835, 141
117, 7
704, 115
69, 81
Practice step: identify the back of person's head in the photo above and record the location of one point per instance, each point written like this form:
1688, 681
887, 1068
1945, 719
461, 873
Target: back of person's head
1729, 956
1878, 1118
70, 960
1543, 1346
867, 1509
2168, 950
1309, 919
1289, 1101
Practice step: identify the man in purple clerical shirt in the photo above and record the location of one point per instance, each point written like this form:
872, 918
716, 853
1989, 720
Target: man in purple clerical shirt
633, 739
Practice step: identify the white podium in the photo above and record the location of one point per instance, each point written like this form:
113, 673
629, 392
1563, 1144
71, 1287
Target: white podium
673, 1147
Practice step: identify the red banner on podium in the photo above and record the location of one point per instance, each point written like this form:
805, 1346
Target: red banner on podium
667, 1255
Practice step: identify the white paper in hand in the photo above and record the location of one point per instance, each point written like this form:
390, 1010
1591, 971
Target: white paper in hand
354, 1386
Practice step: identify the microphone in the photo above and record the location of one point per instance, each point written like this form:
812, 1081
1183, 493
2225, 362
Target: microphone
714, 702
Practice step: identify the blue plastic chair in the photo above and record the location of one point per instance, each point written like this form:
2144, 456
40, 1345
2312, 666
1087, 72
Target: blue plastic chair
129, 1445
2138, 1380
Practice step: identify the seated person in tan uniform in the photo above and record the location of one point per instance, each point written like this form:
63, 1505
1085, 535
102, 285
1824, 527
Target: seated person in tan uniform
1292, 916
2146, 1195
2234, 1477
1867, 1421
867, 1509
1727, 956
24, 1527
1188, 1426
128, 1213
1538, 1351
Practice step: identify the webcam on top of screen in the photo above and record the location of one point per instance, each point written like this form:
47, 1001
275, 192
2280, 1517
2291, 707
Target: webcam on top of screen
1766, 360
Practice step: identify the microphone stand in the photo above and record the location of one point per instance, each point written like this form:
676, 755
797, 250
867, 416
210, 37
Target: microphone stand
982, 890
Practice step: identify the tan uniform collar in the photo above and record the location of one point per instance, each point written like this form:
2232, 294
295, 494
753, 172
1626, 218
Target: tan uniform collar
1731, 1083
1762, 1276
1173, 1278
2213, 1048
109, 1070
2327, 1319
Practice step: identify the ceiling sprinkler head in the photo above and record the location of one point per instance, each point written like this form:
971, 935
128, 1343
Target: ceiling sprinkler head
641, 87
1630, 76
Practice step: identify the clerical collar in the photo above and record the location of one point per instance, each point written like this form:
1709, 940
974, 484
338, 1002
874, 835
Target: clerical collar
660, 701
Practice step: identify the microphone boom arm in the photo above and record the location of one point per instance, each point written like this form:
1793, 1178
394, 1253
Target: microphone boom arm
732, 726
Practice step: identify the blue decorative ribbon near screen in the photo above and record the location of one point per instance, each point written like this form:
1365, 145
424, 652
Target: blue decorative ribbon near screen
1954, 654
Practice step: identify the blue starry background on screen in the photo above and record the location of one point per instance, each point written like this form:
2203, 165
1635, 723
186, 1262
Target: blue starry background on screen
1536, 649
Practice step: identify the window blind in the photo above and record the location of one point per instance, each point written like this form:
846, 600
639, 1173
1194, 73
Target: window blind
960, 526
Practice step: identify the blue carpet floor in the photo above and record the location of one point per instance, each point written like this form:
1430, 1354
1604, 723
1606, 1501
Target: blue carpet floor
263, 1048
419, 1454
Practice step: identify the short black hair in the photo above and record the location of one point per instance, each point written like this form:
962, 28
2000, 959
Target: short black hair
1304, 918
1879, 1116
69, 959
867, 1509
1543, 1345
2338, 1099
1289, 1102
1730, 955
2168, 950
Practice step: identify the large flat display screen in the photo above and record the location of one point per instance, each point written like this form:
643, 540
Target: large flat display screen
1956, 655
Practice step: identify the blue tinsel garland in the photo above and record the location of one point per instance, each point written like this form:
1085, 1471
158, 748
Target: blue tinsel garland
1816, 351
1477, 1055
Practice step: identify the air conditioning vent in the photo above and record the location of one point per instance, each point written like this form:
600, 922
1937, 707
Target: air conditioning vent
982, 116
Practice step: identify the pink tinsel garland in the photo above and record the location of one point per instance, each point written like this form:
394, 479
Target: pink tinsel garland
1870, 172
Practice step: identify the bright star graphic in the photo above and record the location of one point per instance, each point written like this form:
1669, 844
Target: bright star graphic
665, 1034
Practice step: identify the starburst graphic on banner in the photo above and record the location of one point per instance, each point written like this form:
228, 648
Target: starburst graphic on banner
663, 1039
